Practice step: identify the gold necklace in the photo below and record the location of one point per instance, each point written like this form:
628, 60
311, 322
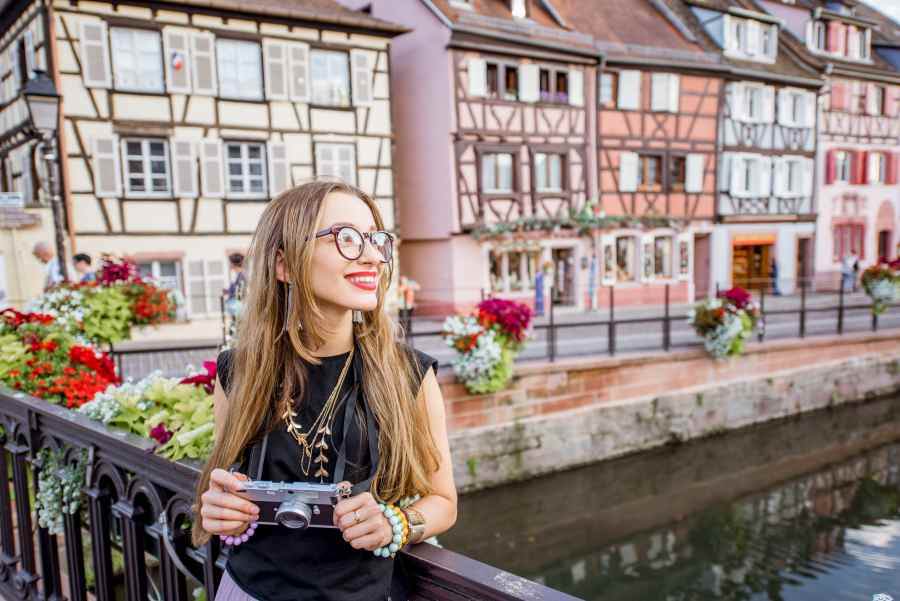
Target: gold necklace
320, 428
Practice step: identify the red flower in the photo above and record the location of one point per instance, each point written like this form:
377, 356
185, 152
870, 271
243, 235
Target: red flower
207, 380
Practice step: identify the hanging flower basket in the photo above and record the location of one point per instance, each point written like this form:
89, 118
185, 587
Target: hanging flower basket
725, 323
487, 343
882, 283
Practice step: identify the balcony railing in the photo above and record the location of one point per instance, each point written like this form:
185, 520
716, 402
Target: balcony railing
137, 509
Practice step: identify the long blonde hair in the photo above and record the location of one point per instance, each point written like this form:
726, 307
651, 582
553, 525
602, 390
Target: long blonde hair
266, 370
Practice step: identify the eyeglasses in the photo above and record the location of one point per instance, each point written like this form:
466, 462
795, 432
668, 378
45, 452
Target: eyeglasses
351, 243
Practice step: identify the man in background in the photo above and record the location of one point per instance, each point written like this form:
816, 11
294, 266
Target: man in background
43, 252
83, 267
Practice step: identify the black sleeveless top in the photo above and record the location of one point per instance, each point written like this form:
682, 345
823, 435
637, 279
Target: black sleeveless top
281, 564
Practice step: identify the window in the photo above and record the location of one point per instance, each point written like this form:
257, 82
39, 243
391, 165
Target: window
493, 80
518, 9
795, 107
842, 164
865, 44
548, 170
769, 40
609, 83
740, 34
166, 273
497, 172
877, 165
753, 103
793, 174
853, 42
240, 69
502, 81
750, 39
649, 175
820, 36
336, 160
246, 164
625, 259
677, 173
137, 60
662, 257
514, 271
146, 167
848, 237
876, 103
511, 83
330, 76
554, 85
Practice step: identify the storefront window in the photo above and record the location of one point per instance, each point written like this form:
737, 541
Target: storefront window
625, 259
513, 270
684, 258
662, 257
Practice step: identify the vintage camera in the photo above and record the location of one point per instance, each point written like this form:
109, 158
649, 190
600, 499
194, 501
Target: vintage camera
296, 505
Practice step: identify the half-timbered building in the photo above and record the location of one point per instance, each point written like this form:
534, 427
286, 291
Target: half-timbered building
657, 108
181, 120
858, 154
765, 207
494, 141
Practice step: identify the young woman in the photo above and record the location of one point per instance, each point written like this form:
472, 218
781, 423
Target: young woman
314, 337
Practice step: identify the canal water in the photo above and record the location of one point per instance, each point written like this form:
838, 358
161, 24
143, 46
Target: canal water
804, 509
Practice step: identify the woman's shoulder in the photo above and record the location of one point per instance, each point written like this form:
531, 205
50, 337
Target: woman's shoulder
421, 360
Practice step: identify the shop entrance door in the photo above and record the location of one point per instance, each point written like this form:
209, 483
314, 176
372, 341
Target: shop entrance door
564, 276
751, 266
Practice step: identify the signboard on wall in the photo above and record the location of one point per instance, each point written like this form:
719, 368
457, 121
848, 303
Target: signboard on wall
13, 200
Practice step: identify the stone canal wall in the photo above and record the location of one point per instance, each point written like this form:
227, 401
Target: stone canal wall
573, 412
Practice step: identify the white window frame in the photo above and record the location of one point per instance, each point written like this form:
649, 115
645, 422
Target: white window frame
244, 162
544, 170
741, 47
798, 166
631, 259
149, 75
162, 280
333, 167
496, 189
819, 33
666, 263
232, 80
610, 101
749, 88
842, 158
146, 172
339, 93
876, 165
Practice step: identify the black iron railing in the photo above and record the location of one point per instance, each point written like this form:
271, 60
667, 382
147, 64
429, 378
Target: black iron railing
138, 509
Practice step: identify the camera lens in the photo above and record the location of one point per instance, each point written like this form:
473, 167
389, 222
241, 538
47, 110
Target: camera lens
294, 513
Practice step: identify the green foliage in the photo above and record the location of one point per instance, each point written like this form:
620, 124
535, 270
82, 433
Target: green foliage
107, 316
499, 376
13, 354
584, 222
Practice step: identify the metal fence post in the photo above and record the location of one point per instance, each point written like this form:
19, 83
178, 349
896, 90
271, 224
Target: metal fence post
874, 321
224, 324
551, 331
840, 323
667, 326
611, 334
802, 309
761, 333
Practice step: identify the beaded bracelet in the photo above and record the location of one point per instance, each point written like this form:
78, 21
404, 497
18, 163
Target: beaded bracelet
399, 528
240, 538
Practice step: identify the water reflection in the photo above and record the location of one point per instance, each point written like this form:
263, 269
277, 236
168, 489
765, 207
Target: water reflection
805, 509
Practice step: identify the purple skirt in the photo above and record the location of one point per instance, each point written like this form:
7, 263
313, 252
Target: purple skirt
230, 591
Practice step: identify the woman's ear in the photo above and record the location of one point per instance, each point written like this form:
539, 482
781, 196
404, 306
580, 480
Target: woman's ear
279, 266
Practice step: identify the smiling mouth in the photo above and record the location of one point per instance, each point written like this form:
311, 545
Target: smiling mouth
368, 282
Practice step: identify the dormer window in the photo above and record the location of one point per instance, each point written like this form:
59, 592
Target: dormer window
518, 9
836, 38
749, 39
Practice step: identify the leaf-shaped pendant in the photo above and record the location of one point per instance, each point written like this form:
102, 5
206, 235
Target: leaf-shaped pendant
322, 445
325, 430
321, 458
321, 473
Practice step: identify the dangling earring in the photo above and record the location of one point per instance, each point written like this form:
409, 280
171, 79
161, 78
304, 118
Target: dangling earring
287, 313
357, 316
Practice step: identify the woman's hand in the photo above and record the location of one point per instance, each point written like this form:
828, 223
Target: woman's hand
223, 511
363, 524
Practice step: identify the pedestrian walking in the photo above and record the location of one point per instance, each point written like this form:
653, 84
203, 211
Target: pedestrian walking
847, 263
82, 263
43, 252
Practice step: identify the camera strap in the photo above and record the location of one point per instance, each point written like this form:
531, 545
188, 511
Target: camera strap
258, 450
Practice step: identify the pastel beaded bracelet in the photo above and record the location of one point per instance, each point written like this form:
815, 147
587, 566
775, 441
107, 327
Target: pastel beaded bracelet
240, 538
399, 528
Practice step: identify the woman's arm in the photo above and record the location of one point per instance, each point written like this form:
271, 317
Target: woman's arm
438, 508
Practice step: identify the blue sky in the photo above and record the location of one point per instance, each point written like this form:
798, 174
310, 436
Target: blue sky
889, 7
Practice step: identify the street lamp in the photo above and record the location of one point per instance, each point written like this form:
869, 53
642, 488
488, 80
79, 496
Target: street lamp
42, 100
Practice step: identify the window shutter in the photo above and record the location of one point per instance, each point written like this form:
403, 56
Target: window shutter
279, 169
764, 176
14, 64
629, 90
754, 32
779, 169
893, 166
872, 107
728, 26
176, 43
95, 54
275, 69
30, 59
26, 184
608, 244
725, 172
837, 37
736, 101
674, 92
768, 102
892, 101
872, 167
212, 177
838, 96
184, 174
659, 93
783, 115
361, 64
738, 185
858, 166
830, 166
810, 35
477, 77
298, 65
529, 83
107, 181
808, 168
693, 181
576, 88
809, 109
628, 166
203, 63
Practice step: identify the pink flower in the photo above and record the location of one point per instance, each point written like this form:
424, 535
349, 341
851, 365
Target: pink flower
160, 434
207, 380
